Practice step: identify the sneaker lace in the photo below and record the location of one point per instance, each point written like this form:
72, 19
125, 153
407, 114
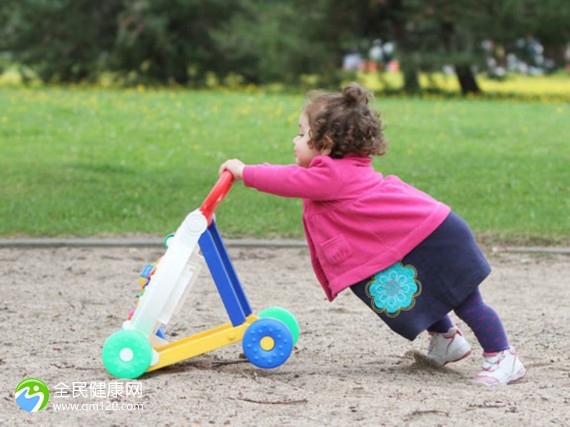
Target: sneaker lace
493, 362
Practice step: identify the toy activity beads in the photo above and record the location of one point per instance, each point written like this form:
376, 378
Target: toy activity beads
139, 347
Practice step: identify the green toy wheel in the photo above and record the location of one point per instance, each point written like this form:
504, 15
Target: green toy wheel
286, 317
127, 353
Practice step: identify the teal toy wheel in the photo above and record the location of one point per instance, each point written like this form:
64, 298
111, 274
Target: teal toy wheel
267, 343
127, 353
286, 317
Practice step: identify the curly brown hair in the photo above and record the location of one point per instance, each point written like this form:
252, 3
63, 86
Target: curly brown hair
344, 123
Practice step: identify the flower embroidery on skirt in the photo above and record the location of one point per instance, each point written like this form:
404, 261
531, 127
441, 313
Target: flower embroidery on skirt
394, 289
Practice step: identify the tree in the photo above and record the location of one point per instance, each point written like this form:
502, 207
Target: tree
261, 40
545, 20
182, 41
430, 34
64, 40
169, 40
269, 41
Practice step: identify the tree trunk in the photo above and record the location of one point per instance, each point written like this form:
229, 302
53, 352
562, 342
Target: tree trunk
467, 80
411, 81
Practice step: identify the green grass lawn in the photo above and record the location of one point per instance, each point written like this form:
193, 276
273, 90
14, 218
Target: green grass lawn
82, 162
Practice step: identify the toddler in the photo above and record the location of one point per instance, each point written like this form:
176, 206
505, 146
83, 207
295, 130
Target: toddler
407, 256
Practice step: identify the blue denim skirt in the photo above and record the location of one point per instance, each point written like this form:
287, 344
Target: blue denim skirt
429, 282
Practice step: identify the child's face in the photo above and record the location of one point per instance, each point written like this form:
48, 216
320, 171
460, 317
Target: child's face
303, 153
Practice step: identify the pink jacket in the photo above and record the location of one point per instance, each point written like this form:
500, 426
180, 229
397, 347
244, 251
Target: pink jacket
357, 222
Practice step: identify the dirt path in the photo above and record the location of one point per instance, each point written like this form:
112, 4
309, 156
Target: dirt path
59, 305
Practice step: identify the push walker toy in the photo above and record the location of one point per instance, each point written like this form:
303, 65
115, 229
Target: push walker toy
139, 347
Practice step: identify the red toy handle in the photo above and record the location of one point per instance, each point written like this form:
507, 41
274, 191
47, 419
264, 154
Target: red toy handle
217, 195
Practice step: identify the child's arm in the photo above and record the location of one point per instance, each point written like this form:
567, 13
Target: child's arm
320, 181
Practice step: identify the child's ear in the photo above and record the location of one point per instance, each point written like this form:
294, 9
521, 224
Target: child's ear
328, 145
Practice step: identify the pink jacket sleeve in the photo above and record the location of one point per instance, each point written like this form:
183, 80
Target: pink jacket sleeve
320, 181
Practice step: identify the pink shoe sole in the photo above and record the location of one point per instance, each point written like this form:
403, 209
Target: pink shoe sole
459, 358
489, 381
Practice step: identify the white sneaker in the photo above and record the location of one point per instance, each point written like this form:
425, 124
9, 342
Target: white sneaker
448, 347
503, 367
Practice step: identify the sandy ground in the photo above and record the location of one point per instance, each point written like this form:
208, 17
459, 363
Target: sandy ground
59, 305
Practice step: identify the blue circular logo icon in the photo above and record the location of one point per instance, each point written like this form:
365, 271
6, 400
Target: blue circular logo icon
31, 394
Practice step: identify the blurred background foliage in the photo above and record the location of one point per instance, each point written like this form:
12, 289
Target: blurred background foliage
191, 42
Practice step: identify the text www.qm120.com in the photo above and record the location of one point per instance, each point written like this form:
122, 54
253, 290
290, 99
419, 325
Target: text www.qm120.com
99, 406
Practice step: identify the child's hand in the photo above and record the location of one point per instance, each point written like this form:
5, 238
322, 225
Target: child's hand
235, 166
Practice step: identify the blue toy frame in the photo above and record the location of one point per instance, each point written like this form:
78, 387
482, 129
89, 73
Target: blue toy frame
224, 275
